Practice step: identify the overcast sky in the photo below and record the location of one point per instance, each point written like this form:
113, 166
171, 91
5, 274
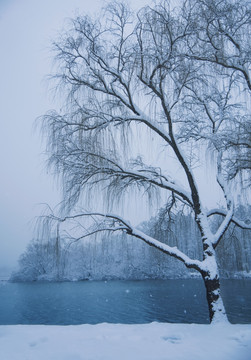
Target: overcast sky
27, 28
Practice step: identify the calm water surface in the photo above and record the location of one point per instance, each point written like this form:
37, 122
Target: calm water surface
125, 302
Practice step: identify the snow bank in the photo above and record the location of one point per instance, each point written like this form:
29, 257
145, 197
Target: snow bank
155, 341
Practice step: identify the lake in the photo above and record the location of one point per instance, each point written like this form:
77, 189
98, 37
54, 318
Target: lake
127, 302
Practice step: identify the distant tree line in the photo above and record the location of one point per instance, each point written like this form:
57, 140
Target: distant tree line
123, 257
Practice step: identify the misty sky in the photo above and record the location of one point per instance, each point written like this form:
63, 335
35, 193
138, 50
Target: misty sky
27, 28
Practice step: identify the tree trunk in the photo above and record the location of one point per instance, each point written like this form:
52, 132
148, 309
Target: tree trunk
217, 312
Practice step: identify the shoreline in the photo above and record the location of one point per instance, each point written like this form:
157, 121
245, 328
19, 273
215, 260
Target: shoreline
236, 276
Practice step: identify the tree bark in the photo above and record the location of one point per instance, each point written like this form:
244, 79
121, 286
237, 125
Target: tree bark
217, 312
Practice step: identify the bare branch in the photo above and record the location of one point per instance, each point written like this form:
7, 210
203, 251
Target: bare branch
241, 224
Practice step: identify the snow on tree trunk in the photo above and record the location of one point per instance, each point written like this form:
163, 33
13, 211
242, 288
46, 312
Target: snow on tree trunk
217, 312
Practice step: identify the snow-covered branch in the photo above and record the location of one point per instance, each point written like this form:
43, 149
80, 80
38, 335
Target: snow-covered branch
113, 223
169, 250
224, 225
241, 224
229, 202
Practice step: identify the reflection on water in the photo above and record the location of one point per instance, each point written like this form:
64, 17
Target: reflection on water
126, 302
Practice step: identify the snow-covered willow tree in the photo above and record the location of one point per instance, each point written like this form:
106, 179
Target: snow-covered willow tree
179, 77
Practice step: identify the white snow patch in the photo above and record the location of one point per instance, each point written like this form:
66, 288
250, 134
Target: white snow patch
155, 341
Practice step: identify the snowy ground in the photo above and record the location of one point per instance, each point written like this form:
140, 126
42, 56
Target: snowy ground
156, 341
